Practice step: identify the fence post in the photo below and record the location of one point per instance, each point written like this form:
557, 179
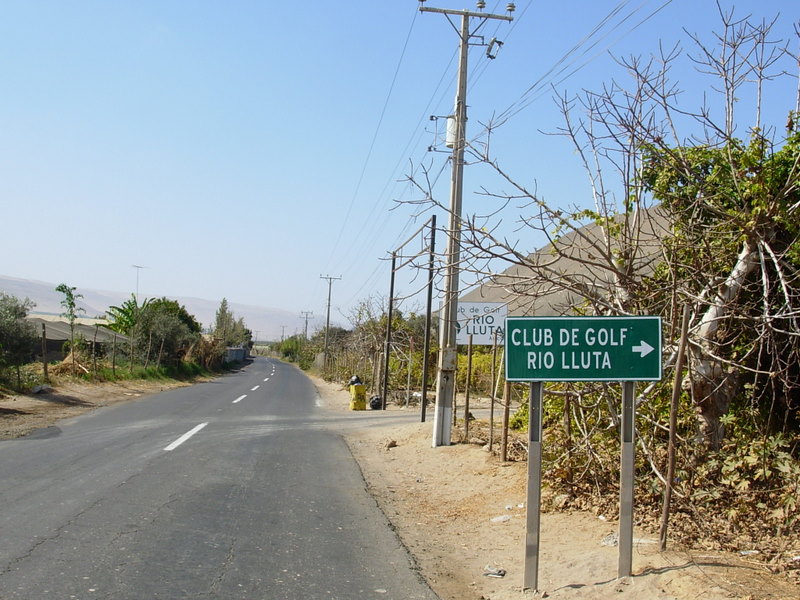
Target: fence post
44, 352
506, 411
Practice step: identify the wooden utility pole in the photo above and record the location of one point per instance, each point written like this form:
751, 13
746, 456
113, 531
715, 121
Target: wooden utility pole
328, 318
388, 341
466, 391
506, 414
306, 315
114, 356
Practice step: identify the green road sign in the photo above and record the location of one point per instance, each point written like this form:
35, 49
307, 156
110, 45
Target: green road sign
583, 348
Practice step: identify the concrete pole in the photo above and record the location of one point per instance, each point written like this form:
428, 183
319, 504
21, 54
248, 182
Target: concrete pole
448, 354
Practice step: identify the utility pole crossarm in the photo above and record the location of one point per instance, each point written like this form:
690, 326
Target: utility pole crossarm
465, 13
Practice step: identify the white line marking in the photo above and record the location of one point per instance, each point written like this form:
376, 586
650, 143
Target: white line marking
184, 437
253, 389
266, 379
240, 398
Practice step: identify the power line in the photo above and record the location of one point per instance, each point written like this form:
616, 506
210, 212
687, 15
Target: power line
374, 137
543, 83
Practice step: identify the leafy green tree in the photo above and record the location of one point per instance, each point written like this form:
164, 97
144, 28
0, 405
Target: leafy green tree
227, 328
71, 309
735, 250
18, 337
290, 348
223, 320
166, 330
125, 316
173, 307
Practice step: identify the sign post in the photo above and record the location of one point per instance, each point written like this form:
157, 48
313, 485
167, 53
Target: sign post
532, 517
626, 480
539, 349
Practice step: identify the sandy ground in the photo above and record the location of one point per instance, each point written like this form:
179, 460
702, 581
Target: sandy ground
461, 513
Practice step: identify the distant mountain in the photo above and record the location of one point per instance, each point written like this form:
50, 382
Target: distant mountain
267, 323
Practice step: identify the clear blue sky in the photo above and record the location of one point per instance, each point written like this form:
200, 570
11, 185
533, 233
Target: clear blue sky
242, 149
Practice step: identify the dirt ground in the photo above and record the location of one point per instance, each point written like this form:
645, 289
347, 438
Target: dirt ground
461, 513
22, 414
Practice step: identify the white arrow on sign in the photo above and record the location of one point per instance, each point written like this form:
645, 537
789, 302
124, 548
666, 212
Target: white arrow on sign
643, 349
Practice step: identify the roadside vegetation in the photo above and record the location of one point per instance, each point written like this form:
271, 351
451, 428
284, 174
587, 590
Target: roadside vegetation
155, 339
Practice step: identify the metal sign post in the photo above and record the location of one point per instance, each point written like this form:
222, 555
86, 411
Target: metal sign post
626, 479
539, 349
530, 578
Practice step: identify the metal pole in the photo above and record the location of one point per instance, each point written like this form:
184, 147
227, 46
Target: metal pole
138, 268
626, 479
388, 342
530, 579
427, 345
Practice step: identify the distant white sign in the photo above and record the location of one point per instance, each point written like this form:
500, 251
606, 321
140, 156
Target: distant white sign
481, 320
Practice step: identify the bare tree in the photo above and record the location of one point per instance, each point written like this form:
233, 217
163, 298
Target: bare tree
704, 217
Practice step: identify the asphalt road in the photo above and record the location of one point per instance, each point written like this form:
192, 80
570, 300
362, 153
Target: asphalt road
237, 488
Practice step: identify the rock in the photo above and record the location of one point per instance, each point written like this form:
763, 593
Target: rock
612, 539
42, 389
391, 444
561, 500
490, 571
501, 519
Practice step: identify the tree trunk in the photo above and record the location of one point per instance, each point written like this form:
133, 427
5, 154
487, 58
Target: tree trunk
711, 385
147, 356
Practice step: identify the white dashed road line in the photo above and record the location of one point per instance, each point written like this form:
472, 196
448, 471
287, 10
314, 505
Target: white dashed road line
253, 389
240, 398
184, 437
